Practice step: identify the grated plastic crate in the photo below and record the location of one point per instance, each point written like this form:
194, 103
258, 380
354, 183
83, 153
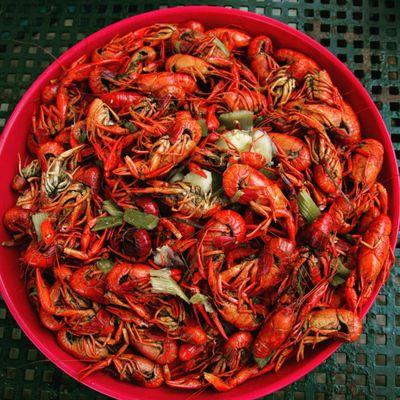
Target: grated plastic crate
365, 34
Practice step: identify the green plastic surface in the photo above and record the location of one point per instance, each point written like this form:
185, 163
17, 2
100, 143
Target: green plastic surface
365, 34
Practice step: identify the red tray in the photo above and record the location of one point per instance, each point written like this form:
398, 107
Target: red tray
13, 139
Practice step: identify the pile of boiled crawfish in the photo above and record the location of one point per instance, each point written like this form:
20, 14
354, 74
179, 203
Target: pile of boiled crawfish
197, 208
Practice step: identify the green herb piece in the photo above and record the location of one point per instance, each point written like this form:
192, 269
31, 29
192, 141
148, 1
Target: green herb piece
221, 128
300, 289
337, 280
308, 209
104, 265
37, 220
99, 163
262, 362
216, 184
342, 270
258, 120
31, 170
204, 128
269, 174
140, 220
162, 282
108, 222
82, 136
221, 46
132, 128
241, 118
177, 47
342, 273
236, 197
350, 238
202, 299
111, 208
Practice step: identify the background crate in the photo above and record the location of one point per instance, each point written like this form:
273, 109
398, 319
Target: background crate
365, 34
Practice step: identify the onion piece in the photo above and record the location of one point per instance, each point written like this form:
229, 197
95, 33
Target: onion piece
205, 184
37, 220
202, 299
235, 139
263, 145
308, 209
162, 282
177, 177
166, 257
234, 119
256, 141
221, 46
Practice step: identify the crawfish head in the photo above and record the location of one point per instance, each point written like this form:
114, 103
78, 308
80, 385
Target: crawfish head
71, 195
33, 169
242, 318
332, 322
236, 348
57, 178
139, 370
191, 200
169, 317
